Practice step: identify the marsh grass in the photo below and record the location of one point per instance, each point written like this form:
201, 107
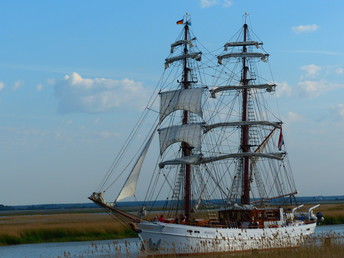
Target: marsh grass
333, 213
60, 228
329, 245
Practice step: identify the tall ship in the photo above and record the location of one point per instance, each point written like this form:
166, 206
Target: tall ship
214, 161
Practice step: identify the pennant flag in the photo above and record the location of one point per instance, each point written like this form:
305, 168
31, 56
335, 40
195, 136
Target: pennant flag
180, 21
280, 140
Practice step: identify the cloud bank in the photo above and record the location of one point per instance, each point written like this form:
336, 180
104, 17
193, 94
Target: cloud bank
305, 28
77, 94
339, 111
18, 84
283, 89
316, 88
311, 70
210, 3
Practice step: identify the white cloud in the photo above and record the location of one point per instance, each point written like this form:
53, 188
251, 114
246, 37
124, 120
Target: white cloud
293, 117
39, 87
311, 70
339, 110
210, 3
18, 84
316, 88
283, 89
96, 121
109, 134
227, 3
2, 85
339, 71
305, 28
77, 94
319, 52
51, 81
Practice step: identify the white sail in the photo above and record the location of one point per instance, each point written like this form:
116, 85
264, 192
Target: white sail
186, 99
129, 188
190, 133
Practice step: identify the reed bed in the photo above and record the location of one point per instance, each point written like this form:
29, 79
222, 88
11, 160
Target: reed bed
333, 213
319, 246
328, 245
60, 228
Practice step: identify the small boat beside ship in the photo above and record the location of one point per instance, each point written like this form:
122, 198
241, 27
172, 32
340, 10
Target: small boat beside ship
221, 168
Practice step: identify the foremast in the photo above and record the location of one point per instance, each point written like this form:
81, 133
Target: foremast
186, 150
187, 99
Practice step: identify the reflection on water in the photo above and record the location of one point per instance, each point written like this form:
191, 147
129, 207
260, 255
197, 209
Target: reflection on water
106, 248
330, 229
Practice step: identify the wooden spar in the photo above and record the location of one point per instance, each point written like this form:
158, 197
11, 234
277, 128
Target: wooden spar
265, 140
245, 197
185, 146
114, 209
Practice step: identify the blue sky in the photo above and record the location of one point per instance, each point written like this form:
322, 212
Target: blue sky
58, 141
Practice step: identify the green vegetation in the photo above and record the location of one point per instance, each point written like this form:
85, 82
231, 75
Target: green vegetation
17, 229
333, 213
63, 235
332, 220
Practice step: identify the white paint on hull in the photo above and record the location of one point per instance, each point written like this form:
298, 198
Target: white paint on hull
175, 238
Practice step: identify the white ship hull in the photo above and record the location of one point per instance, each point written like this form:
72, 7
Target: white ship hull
164, 238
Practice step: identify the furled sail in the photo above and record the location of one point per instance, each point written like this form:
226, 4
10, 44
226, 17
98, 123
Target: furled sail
196, 56
198, 159
190, 133
268, 87
129, 188
193, 159
242, 123
242, 43
181, 42
185, 99
262, 56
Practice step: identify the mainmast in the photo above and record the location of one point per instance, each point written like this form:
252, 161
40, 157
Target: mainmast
245, 197
186, 150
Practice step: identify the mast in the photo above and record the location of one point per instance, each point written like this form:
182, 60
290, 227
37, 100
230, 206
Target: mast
186, 150
245, 197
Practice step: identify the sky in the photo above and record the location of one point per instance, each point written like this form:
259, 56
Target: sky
74, 75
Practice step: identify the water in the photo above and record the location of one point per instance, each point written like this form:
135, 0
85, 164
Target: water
330, 229
106, 248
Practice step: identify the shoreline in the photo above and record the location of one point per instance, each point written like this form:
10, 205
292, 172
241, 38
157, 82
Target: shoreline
45, 226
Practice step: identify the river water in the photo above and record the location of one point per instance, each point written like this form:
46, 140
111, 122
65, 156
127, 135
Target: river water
98, 249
